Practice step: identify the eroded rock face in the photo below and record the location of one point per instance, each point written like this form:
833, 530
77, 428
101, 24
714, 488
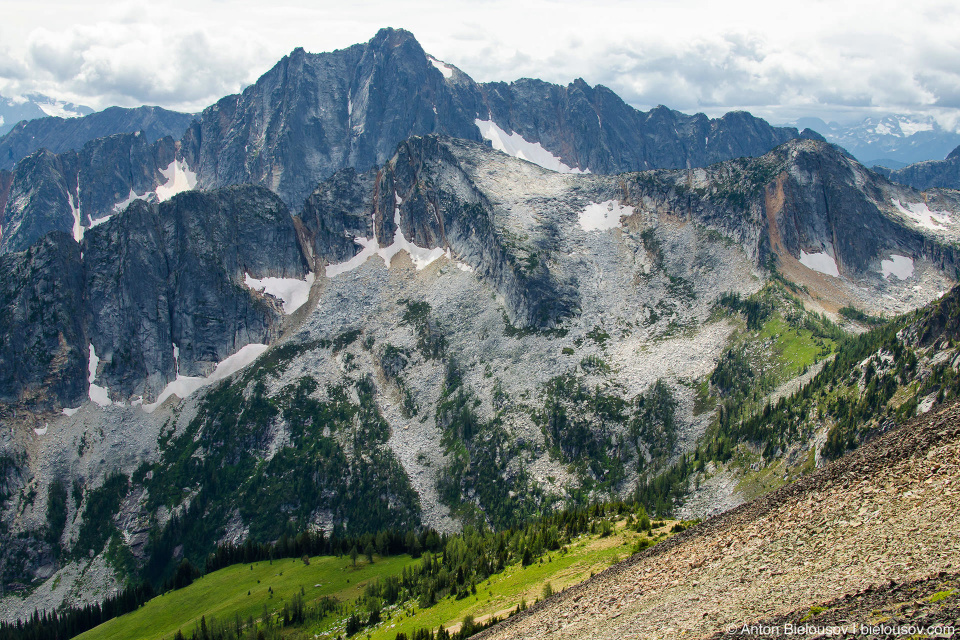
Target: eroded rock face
43, 355
38, 200
830, 200
157, 275
593, 128
180, 282
314, 114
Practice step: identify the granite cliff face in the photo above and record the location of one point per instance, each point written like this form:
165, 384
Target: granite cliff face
823, 201
313, 114
71, 134
181, 271
43, 358
932, 174
593, 128
156, 276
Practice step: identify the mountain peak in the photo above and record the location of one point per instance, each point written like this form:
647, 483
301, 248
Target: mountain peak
388, 36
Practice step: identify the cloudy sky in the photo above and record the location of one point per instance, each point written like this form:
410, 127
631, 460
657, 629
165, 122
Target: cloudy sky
838, 60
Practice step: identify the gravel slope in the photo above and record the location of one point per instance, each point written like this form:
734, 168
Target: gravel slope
880, 520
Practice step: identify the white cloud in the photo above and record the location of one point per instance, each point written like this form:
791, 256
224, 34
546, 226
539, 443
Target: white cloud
809, 58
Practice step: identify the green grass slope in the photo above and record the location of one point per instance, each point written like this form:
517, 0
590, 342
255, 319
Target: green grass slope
249, 594
244, 590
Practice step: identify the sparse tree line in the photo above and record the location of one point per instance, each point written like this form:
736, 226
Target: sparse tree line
450, 566
851, 393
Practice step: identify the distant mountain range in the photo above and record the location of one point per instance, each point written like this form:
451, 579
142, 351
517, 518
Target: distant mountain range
314, 114
892, 141
58, 134
930, 174
36, 105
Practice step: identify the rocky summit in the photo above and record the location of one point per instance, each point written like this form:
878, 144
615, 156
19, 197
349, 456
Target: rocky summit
313, 114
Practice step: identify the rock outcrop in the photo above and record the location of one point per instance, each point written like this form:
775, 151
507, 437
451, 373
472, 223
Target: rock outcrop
43, 355
593, 128
181, 270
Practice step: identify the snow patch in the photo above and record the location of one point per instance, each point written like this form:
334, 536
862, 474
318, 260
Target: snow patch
123, 204
821, 262
443, 68
183, 386
920, 213
69, 412
291, 291
58, 109
75, 208
99, 221
92, 365
369, 248
179, 179
42, 431
513, 144
603, 215
899, 266
420, 256
910, 127
463, 266
882, 129
96, 393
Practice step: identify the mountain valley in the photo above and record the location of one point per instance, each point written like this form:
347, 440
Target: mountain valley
370, 295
